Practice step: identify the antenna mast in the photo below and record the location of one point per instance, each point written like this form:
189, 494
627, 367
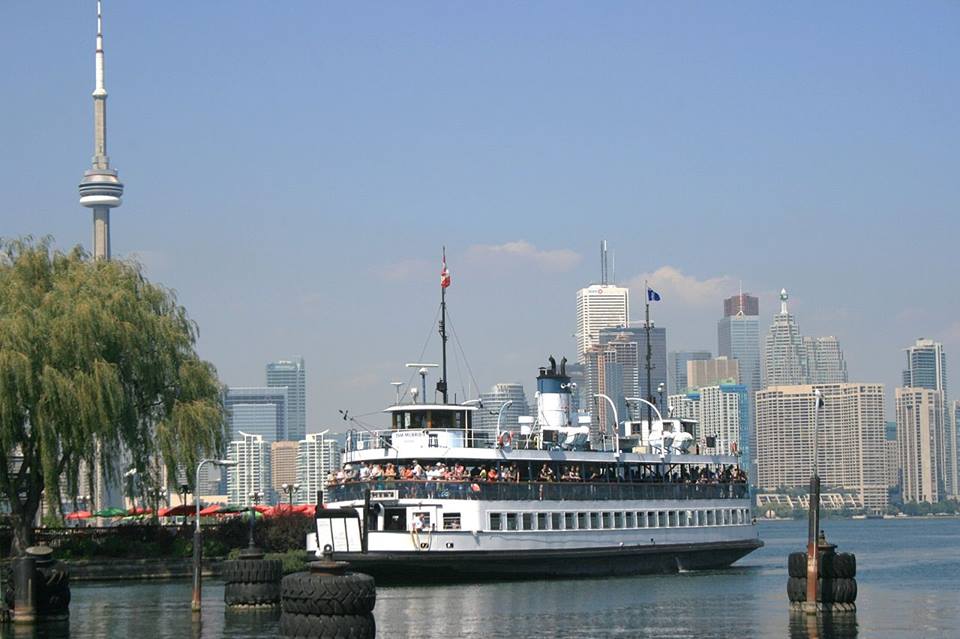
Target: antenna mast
444, 283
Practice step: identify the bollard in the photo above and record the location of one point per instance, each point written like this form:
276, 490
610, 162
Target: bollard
25, 589
197, 567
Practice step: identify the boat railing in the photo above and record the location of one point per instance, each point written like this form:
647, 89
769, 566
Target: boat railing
536, 491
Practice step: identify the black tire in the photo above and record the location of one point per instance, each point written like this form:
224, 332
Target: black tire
312, 594
797, 564
840, 590
53, 588
797, 589
236, 594
842, 565
347, 626
252, 571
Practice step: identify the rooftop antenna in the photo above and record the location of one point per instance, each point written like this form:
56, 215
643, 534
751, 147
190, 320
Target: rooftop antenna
422, 371
396, 387
603, 263
740, 300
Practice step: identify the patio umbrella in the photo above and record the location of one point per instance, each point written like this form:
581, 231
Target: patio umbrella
79, 514
178, 511
213, 509
140, 511
110, 512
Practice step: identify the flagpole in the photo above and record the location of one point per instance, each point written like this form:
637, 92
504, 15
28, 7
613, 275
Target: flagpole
646, 285
442, 384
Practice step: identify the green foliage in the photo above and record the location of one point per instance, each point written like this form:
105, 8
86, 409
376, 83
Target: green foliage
94, 360
293, 560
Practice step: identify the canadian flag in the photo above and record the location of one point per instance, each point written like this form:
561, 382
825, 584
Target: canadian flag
444, 273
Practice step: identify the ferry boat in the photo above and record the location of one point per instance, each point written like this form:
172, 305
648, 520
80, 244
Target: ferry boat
435, 499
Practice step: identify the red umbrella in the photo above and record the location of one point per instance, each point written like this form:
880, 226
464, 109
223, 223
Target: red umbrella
262, 509
307, 509
178, 511
79, 514
212, 509
140, 511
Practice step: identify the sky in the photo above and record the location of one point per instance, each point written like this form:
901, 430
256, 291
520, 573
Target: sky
293, 170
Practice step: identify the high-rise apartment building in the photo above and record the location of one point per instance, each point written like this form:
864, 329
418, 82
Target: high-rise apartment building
252, 472
719, 410
658, 360
485, 417
317, 456
283, 465
920, 434
599, 306
677, 382
850, 435
604, 376
628, 353
824, 359
257, 411
291, 374
784, 363
711, 372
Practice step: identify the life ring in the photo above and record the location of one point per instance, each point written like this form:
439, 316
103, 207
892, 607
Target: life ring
505, 439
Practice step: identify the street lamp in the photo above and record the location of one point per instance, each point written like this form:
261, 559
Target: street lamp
503, 407
616, 421
255, 497
197, 535
290, 489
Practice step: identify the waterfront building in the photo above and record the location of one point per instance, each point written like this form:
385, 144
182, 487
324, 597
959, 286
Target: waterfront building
317, 456
920, 433
711, 372
291, 374
783, 354
824, 359
252, 472
485, 418
578, 379
599, 306
677, 369
738, 337
850, 434
629, 354
719, 410
256, 410
283, 464
604, 376
658, 357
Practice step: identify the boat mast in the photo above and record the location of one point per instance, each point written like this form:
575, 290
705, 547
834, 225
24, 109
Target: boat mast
444, 283
649, 398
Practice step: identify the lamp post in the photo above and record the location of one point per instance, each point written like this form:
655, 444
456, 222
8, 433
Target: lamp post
197, 535
616, 421
290, 489
130, 476
503, 407
813, 569
255, 498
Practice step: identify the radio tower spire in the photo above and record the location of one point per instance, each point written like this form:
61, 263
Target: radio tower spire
100, 188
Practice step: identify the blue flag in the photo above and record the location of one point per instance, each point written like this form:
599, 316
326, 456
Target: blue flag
652, 295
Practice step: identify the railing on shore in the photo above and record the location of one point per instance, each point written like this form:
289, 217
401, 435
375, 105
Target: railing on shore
538, 491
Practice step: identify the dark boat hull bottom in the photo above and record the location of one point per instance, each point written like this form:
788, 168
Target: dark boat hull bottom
436, 566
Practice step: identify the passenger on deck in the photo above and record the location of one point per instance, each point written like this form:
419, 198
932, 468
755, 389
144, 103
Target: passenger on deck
492, 474
547, 474
390, 472
417, 470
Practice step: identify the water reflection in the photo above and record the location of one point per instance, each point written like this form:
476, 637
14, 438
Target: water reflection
826, 625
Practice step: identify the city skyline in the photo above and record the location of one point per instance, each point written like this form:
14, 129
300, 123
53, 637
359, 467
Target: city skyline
537, 222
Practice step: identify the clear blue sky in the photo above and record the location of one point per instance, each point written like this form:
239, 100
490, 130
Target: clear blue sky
292, 170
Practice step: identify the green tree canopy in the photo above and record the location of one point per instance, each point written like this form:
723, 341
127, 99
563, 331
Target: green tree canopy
93, 357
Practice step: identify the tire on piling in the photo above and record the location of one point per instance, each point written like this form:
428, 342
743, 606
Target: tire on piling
253, 571
306, 593
842, 565
348, 626
797, 564
251, 594
840, 590
53, 589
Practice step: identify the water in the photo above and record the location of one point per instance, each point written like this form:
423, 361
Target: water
908, 573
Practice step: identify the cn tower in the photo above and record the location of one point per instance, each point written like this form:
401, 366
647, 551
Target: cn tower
100, 188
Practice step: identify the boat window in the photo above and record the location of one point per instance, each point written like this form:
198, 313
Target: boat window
556, 521
711, 518
582, 522
395, 519
702, 518
451, 521
512, 521
426, 518
673, 518
632, 520
595, 521
570, 521
651, 519
496, 521
726, 517
608, 520
528, 521
618, 520
662, 519
543, 521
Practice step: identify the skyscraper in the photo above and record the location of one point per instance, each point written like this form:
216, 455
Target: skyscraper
825, 363
604, 376
927, 368
599, 306
920, 434
100, 188
252, 472
658, 359
719, 411
741, 304
850, 435
317, 455
292, 375
677, 381
783, 354
258, 411
485, 418
283, 465
738, 337
711, 372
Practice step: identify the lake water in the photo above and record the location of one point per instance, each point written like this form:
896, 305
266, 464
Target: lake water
908, 573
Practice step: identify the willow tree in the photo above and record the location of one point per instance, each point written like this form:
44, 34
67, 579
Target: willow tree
97, 370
